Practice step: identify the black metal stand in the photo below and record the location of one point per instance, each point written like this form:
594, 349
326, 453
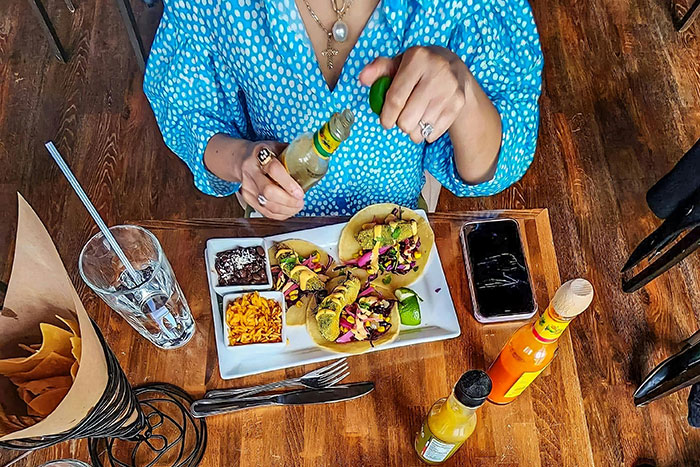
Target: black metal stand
152, 423
171, 436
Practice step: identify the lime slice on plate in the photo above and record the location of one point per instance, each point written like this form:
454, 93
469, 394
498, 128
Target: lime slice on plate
403, 293
409, 309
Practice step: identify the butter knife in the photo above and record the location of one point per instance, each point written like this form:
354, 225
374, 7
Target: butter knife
216, 406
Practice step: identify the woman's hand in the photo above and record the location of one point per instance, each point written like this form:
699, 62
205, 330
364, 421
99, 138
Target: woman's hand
236, 160
430, 85
282, 194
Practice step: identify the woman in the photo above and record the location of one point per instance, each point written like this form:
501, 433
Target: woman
228, 78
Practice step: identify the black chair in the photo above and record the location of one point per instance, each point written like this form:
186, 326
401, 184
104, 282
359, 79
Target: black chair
128, 19
690, 16
47, 27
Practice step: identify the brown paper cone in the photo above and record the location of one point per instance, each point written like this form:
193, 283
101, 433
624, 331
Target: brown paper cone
40, 289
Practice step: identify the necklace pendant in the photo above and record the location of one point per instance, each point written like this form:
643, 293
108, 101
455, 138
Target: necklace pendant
340, 31
329, 53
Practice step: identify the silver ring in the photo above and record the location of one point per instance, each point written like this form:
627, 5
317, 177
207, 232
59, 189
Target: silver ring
426, 129
262, 200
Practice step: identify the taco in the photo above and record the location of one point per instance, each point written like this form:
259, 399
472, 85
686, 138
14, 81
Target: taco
353, 318
300, 270
388, 242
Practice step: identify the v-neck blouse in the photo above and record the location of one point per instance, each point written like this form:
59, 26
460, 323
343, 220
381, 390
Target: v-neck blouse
246, 68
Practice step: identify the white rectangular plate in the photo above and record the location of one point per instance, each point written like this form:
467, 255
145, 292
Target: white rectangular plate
438, 316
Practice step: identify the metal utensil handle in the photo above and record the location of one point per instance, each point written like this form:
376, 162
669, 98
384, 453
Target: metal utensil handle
223, 400
200, 410
240, 392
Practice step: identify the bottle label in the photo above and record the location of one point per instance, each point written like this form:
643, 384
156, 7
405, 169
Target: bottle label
522, 383
547, 328
324, 142
431, 448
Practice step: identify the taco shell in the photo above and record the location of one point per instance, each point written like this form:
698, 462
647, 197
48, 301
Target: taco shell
296, 314
348, 245
352, 347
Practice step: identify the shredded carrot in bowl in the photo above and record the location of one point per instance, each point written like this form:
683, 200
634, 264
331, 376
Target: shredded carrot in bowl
253, 319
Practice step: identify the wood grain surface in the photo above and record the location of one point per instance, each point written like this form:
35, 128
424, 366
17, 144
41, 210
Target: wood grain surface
620, 105
545, 426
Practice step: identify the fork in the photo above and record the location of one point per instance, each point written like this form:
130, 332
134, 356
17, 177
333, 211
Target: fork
316, 379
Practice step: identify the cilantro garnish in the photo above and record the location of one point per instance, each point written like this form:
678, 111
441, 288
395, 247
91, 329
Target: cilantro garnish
288, 261
386, 280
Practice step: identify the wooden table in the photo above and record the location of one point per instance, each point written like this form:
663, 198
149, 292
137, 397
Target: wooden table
620, 105
546, 425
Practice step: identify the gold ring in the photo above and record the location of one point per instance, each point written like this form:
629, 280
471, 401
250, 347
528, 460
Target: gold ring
265, 156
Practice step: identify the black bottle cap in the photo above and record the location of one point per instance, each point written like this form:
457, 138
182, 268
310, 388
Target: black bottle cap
473, 388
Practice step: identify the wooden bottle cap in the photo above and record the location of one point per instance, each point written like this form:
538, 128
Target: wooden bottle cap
572, 298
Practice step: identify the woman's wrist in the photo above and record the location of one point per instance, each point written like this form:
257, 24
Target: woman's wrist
476, 135
224, 156
267, 187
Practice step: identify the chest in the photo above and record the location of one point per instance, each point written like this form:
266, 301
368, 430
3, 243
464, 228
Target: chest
276, 59
334, 28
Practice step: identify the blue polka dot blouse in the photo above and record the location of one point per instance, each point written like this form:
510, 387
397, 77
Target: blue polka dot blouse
246, 68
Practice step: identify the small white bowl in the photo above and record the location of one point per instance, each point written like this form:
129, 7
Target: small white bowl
217, 245
271, 295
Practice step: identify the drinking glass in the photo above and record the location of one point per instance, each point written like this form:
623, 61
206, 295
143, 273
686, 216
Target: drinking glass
154, 304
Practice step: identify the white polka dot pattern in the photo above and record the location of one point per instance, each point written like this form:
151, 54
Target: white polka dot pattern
246, 68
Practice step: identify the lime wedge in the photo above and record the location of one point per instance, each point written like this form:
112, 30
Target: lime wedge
377, 93
409, 311
403, 293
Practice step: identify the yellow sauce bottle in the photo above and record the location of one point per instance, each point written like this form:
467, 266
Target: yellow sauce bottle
452, 419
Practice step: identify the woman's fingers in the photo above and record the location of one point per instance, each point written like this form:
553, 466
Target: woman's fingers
416, 107
409, 73
277, 172
252, 200
429, 85
440, 126
279, 200
380, 66
282, 196
270, 209
436, 117
441, 116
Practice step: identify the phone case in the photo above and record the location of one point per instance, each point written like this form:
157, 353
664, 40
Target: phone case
467, 262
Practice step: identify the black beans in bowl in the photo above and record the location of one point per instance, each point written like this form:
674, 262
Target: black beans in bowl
241, 266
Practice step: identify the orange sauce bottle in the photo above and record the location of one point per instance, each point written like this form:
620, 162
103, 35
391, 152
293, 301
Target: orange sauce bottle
528, 352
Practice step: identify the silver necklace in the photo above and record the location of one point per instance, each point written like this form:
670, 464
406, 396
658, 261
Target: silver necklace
339, 31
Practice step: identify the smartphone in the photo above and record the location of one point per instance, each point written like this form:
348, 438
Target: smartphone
499, 278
